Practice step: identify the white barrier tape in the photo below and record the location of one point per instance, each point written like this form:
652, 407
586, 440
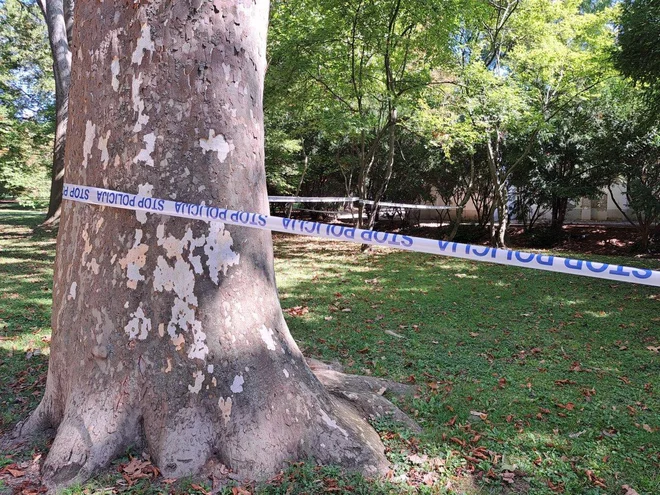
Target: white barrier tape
311, 199
106, 197
303, 199
407, 206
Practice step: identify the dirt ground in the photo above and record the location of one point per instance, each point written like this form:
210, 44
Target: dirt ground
601, 239
592, 239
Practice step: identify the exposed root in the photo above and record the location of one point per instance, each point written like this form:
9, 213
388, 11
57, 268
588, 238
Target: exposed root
349, 441
95, 429
365, 393
36, 427
335, 381
376, 406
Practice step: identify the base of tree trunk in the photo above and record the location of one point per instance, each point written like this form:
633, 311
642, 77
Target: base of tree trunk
52, 220
83, 445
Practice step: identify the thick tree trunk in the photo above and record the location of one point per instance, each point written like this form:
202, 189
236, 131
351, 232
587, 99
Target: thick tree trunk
58, 16
167, 331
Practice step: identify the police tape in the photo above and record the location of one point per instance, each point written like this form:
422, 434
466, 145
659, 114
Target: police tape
352, 199
546, 262
310, 199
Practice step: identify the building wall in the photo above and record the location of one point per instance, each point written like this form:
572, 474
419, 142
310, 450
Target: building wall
601, 209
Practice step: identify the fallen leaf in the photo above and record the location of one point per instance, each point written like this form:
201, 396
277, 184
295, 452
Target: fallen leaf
200, 488
346, 310
430, 479
595, 480
647, 428
557, 488
458, 441
482, 416
508, 477
327, 318
297, 310
418, 459
653, 349
629, 490
16, 473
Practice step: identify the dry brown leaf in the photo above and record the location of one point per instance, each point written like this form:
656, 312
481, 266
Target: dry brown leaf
508, 477
481, 415
297, 310
16, 473
629, 490
418, 459
200, 488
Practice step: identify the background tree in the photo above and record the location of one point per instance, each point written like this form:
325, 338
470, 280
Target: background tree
638, 54
58, 15
26, 104
626, 149
361, 65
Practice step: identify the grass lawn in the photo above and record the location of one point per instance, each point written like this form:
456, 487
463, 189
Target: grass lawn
528, 382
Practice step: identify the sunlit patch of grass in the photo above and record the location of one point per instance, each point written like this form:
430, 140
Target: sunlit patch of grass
559, 364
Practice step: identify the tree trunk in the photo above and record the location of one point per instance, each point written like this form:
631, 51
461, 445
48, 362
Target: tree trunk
169, 332
289, 207
559, 207
58, 17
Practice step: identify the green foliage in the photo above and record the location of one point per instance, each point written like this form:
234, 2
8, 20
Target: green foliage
626, 148
26, 104
638, 55
338, 69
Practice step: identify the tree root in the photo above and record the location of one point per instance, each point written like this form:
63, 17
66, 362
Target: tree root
365, 393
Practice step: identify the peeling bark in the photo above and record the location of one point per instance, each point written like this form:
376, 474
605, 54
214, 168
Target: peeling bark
167, 332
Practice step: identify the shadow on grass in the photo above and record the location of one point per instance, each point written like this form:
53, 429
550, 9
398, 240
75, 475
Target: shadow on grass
22, 383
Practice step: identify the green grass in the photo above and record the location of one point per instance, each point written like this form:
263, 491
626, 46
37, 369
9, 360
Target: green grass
559, 365
26, 273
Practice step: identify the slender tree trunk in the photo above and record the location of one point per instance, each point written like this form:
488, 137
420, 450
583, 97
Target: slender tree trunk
559, 207
289, 207
463, 204
388, 168
168, 332
58, 17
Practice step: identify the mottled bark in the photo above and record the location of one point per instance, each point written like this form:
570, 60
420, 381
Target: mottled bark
58, 15
169, 332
